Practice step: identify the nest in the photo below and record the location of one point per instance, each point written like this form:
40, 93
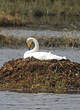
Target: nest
32, 75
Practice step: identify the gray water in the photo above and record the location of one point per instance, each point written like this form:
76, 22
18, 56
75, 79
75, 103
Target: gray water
27, 33
20, 32
41, 101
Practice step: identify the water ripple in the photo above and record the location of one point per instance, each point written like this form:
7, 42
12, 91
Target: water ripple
41, 101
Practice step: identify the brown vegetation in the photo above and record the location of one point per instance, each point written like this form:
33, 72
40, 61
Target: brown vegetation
64, 41
11, 42
52, 12
32, 75
8, 20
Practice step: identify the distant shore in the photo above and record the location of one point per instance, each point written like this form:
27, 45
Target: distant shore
57, 13
48, 41
54, 23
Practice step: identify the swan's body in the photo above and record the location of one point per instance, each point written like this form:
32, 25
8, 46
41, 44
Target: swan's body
40, 55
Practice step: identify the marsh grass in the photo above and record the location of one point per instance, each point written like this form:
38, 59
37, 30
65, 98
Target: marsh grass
11, 42
42, 10
47, 7
53, 41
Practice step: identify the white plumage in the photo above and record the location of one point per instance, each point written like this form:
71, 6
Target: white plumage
40, 55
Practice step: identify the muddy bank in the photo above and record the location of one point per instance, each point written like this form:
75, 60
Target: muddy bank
32, 75
53, 41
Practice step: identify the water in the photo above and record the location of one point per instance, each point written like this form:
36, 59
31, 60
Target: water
20, 32
8, 54
41, 101
27, 33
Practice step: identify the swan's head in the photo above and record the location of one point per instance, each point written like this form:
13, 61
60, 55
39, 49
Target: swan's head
35, 42
28, 42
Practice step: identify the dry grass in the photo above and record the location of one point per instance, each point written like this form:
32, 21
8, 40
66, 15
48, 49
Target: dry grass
64, 41
11, 42
8, 20
41, 11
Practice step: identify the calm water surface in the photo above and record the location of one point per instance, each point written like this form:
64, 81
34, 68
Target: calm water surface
41, 101
28, 32
20, 32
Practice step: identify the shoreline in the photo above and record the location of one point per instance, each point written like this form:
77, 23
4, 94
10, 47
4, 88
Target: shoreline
41, 90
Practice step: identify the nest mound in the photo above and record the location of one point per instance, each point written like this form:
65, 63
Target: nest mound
32, 75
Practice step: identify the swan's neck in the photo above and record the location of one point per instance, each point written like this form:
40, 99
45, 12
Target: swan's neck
36, 47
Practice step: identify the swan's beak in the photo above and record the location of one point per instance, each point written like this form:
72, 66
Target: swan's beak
29, 45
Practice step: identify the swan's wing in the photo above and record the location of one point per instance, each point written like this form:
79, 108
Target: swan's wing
37, 55
43, 56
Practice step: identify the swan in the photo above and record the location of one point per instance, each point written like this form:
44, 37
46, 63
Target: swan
39, 55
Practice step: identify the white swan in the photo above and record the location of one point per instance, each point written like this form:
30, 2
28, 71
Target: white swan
39, 55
